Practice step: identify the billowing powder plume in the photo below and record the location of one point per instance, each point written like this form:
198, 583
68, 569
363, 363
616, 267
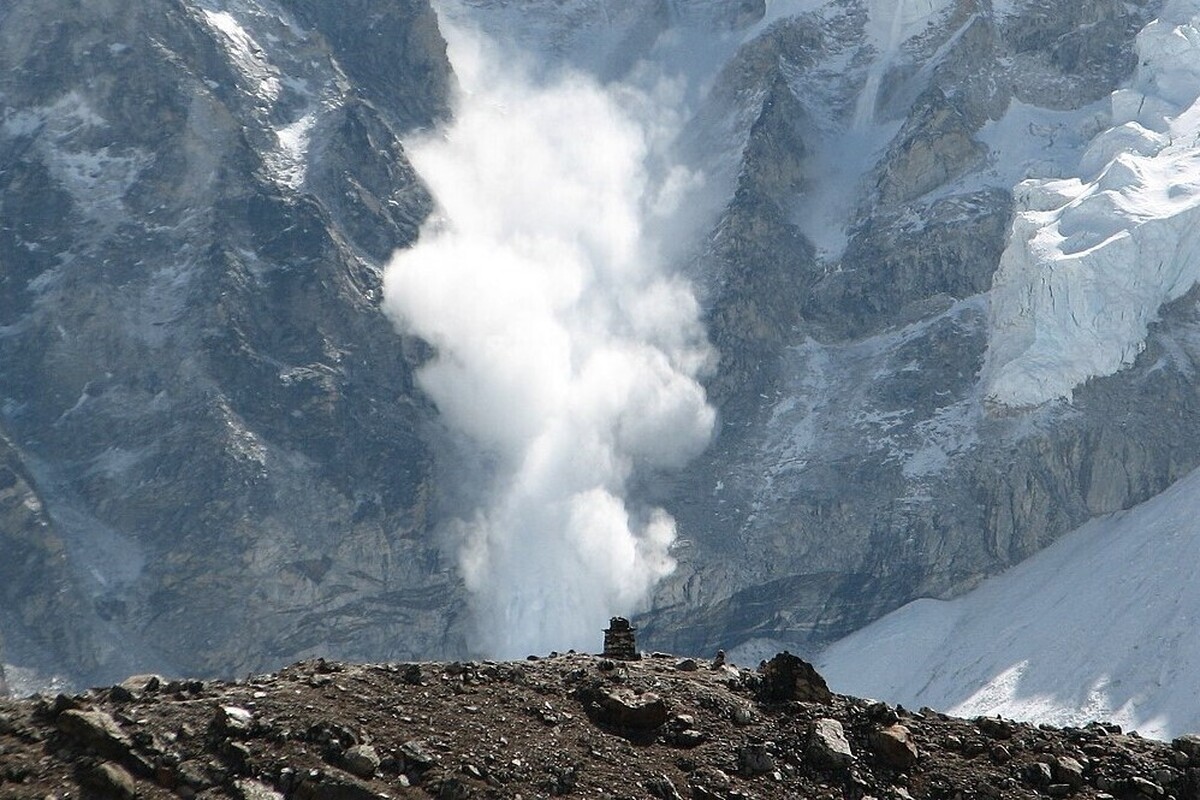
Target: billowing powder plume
565, 351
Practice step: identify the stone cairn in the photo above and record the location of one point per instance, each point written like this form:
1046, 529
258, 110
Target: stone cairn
619, 640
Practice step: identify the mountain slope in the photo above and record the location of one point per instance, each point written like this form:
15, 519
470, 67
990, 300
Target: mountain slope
862, 462
1099, 625
217, 454
194, 200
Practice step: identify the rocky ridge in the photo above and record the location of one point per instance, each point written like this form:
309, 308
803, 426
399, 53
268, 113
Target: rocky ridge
566, 725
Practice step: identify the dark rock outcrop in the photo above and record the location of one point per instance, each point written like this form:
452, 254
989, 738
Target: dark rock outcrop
787, 677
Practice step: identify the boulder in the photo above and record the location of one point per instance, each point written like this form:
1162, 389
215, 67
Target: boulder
247, 789
412, 674
334, 787
361, 760
416, 756
233, 721
1189, 745
827, 744
143, 684
111, 781
660, 786
1144, 788
754, 758
787, 677
1037, 774
996, 728
894, 745
1067, 770
625, 709
95, 729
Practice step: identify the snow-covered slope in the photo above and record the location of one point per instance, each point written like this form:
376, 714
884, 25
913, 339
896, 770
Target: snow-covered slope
1092, 258
1100, 625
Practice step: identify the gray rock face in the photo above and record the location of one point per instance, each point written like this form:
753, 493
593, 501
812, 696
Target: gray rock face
211, 438
858, 467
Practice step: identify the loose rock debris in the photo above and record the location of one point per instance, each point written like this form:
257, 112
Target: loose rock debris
565, 726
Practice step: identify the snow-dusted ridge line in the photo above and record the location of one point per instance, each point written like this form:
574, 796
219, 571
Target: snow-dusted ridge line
270, 50
1092, 258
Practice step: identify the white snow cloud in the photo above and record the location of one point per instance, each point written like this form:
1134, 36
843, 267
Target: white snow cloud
565, 350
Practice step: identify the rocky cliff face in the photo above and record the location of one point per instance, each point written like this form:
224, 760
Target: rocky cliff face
216, 456
861, 466
212, 447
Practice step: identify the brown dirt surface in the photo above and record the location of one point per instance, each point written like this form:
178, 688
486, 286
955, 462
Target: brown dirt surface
567, 725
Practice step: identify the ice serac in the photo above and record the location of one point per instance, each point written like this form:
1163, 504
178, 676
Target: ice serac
1092, 258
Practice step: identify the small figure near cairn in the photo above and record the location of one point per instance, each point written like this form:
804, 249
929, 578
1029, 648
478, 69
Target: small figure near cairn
619, 640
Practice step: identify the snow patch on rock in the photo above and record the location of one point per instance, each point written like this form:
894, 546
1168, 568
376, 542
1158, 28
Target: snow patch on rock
1092, 258
246, 54
96, 178
289, 163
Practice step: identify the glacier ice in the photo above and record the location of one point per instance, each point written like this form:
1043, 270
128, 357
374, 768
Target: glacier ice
1092, 258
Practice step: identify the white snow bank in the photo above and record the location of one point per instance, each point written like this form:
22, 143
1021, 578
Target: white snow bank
1092, 258
1100, 625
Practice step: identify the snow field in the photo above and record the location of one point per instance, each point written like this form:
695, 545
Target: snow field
1100, 625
